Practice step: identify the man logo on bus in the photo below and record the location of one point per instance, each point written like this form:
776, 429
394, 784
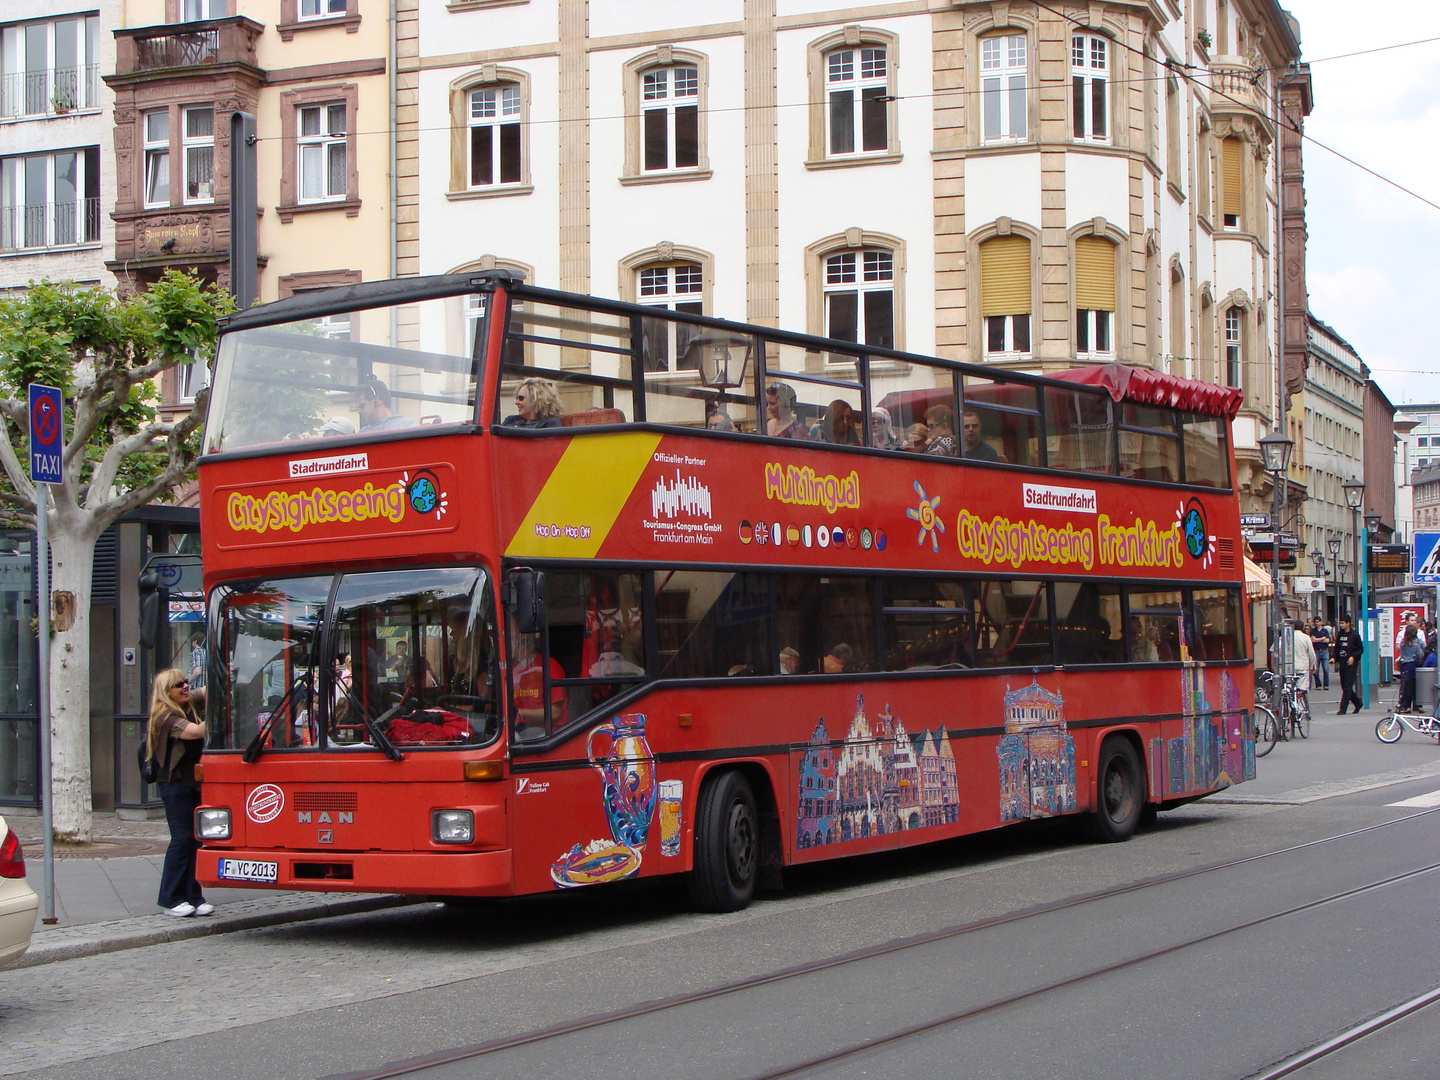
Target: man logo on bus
425, 495
1198, 541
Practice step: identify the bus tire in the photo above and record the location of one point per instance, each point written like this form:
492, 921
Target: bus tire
1120, 792
727, 844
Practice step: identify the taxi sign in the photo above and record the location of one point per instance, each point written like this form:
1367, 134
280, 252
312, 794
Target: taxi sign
47, 434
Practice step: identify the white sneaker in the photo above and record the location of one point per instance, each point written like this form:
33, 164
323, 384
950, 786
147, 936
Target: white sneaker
205, 909
181, 910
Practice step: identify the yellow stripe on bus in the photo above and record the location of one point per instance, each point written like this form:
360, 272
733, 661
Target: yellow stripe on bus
577, 507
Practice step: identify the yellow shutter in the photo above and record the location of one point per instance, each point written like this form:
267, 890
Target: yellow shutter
1094, 274
1005, 276
1232, 148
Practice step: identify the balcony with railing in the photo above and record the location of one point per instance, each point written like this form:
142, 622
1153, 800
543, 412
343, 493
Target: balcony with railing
184, 47
33, 227
1237, 86
49, 91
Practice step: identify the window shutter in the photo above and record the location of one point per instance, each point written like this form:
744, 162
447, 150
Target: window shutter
1005, 276
1233, 201
1094, 274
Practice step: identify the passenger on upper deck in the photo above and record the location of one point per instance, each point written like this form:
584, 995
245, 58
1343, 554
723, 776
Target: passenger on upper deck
719, 420
941, 422
916, 441
374, 407
975, 447
837, 425
780, 409
882, 430
538, 405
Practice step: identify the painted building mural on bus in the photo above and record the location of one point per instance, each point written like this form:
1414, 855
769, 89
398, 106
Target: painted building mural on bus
1211, 750
879, 779
1037, 756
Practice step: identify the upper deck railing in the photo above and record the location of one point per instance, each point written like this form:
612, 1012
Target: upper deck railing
298, 368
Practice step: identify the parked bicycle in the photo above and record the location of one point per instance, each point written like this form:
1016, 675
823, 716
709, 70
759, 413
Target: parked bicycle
1390, 728
1289, 698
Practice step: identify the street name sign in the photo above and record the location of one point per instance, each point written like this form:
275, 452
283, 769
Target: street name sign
47, 434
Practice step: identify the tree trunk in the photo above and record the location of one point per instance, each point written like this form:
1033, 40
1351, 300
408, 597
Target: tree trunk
72, 548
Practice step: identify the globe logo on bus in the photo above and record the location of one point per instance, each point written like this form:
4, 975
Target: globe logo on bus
1190, 518
422, 494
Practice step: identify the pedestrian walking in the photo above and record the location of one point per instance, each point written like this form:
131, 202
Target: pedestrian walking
175, 738
1304, 653
1321, 637
1348, 650
1411, 653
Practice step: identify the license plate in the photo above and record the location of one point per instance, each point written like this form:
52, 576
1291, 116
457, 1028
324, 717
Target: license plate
248, 870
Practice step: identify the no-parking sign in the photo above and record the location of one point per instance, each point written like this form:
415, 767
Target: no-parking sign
1426, 568
47, 434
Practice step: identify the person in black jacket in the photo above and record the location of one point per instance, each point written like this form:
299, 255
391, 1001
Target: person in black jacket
1348, 651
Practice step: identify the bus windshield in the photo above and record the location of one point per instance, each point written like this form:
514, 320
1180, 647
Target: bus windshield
360, 372
399, 656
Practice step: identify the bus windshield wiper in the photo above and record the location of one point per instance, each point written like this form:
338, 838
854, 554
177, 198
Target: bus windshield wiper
257, 744
381, 740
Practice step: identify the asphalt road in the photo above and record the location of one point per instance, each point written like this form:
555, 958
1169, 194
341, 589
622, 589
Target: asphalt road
994, 956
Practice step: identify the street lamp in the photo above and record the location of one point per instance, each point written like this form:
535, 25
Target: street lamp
1275, 455
1334, 544
1355, 498
1317, 558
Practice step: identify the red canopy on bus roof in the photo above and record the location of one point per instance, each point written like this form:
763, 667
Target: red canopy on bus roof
1153, 388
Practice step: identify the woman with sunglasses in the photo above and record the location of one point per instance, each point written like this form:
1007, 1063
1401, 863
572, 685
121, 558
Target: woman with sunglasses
175, 738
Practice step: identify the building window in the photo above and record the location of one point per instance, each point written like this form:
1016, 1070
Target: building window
157, 159
860, 297
1003, 87
50, 200
1094, 296
321, 146
670, 99
198, 10
199, 155
192, 378
1090, 80
50, 66
495, 136
1005, 294
1173, 135
1233, 346
1232, 181
857, 101
320, 9
676, 287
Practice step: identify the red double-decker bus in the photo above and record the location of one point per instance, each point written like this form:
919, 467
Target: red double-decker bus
513, 590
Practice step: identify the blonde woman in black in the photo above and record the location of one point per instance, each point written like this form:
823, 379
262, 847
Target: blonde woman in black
175, 738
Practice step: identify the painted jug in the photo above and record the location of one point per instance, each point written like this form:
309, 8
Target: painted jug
628, 772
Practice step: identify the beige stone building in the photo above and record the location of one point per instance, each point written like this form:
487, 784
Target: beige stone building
1029, 184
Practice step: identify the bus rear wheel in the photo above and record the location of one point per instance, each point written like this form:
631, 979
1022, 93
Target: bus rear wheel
1120, 799
727, 844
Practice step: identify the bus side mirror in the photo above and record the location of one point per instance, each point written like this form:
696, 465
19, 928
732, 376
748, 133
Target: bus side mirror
153, 599
527, 600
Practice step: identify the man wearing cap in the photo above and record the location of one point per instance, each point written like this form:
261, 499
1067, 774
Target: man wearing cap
374, 407
337, 426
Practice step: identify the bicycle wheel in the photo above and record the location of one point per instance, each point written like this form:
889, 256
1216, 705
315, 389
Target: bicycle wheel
1266, 731
1389, 729
1302, 715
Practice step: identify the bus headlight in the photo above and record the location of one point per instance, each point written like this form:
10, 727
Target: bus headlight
212, 824
452, 826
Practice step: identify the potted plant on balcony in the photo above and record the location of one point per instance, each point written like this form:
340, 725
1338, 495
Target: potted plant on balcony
62, 101
1203, 36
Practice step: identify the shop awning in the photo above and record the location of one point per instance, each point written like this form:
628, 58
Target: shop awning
1257, 581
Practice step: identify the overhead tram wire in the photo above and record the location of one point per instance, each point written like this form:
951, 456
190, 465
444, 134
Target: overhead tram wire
448, 1057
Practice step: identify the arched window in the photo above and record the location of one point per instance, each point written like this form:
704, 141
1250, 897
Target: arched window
665, 101
1004, 87
1005, 294
490, 143
853, 94
1234, 345
1090, 83
860, 296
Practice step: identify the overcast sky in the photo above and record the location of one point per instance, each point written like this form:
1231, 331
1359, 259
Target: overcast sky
1374, 253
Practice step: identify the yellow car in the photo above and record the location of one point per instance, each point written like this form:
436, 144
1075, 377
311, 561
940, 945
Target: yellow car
18, 902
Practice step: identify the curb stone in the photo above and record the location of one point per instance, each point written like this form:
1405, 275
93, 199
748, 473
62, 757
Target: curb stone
1331, 789
93, 939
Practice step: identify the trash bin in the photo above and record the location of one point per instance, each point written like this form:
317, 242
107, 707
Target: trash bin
1425, 689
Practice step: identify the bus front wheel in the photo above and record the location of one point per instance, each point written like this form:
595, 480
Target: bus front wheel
1120, 798
727, 844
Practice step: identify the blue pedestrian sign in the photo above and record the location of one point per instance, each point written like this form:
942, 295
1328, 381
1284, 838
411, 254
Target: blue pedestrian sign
47, 434
1426, 569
